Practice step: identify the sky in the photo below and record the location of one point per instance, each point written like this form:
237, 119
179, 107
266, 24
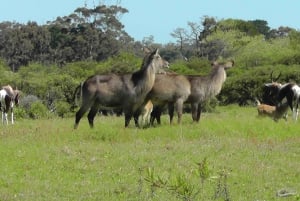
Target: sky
159, 18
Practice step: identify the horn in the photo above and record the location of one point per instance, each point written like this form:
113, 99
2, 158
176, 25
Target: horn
278, 77
274, 80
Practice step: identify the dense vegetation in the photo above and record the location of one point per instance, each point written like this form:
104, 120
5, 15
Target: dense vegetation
47, 62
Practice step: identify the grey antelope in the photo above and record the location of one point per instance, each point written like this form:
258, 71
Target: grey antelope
204, 88
192, 89
275, 112
126, 92
8, 97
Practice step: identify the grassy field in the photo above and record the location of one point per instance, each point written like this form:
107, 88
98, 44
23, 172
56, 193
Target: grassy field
230, 155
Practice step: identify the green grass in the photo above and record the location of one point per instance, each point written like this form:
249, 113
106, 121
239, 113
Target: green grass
244, 157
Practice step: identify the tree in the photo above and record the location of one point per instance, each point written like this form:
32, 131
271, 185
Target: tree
195, 33
182, 37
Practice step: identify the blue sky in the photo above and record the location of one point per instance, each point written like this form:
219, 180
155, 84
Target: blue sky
159, 18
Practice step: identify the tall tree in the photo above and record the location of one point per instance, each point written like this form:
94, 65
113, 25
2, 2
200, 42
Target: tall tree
182, 37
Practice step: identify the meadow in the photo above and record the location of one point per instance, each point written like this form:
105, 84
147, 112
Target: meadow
230, 155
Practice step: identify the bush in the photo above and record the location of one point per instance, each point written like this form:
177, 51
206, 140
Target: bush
37, 110
20, 112
62, 108
27, 101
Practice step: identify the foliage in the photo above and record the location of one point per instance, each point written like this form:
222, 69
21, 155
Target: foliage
51, 60
37, 110
62, 108
243, 87
27, 101
86, 34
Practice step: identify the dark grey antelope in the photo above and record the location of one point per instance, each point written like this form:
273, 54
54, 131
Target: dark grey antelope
174, 90
126, 92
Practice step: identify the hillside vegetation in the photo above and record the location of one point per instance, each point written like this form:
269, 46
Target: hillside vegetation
47, 62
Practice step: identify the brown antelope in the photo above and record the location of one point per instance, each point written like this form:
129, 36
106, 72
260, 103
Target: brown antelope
275, 112
126, 92
8, 97
146, 113
172, 90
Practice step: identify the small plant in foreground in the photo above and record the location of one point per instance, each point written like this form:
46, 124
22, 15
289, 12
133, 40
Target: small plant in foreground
203, 170
222, 190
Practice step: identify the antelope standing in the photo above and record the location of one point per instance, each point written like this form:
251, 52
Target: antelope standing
275, 112
205, 87
126, 92
291, 92
145, 114
8, 97
174, 90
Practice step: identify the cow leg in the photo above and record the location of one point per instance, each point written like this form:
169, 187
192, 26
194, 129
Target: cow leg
79, 114
179, 108
128, 116
199, 112
171, 111
194, 108
158, 115
297, 111
5, 118
94, 110
136, 117
155, 114
12, 116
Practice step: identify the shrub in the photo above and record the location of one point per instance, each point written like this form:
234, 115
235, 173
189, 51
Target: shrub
20, 112
62, 108
27, 101
37, 110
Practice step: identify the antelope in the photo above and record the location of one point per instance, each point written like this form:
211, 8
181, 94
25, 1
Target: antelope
205, 87
8, 97
270, 91
175, 90
172, 90
275, 112
146, 113
291, 92
126, 92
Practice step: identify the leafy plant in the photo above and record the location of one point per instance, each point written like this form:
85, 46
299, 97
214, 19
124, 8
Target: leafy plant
37, 110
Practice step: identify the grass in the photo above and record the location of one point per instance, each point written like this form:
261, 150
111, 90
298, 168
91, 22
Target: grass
230, 155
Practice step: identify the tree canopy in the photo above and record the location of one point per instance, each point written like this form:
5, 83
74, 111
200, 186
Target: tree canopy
48, 61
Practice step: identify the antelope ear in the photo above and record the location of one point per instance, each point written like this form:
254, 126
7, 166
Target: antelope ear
156, 51
268, 84
146, 50
215, 63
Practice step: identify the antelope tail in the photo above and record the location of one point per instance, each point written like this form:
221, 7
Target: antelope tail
257, 101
